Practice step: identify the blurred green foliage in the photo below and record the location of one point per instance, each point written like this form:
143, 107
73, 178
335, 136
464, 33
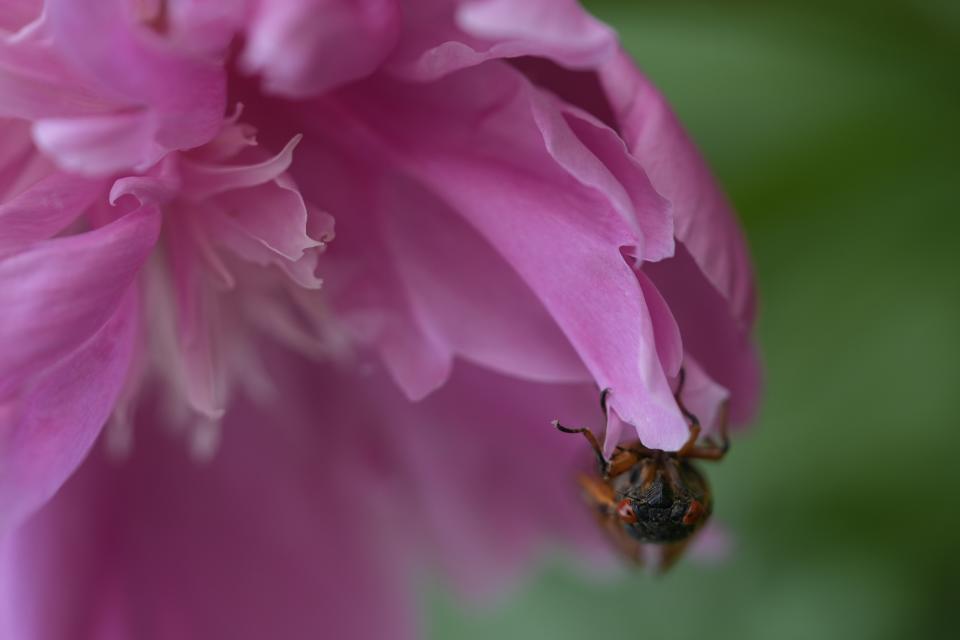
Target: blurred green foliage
835, 128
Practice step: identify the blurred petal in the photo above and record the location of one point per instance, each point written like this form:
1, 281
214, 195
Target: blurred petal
17, 13
141, 543
177, 98
443, 37
98, 145
186, 293
35, 83
298, 55
56, 295
48, 426
713, 545
161, 543
45, 209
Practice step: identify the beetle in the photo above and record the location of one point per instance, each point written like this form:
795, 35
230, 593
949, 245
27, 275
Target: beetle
645, 496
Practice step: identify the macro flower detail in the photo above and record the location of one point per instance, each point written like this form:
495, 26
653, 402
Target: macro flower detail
251, 254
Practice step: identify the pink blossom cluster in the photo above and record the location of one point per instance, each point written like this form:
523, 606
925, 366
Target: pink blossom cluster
291, 289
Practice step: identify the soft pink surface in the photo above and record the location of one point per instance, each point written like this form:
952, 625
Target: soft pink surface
329, 269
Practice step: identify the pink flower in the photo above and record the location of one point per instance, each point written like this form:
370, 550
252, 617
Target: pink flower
520, 221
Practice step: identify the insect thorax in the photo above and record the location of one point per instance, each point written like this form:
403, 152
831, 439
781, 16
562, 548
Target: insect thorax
669, 501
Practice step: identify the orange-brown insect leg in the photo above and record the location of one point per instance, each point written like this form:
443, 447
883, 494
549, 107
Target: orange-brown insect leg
621, 462
712, 451
669, 554
601, 496
692, 419
591, 439
706, 453
691, 442
629, 548
598, 493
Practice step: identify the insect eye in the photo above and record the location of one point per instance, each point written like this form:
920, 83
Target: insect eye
626, 513
694, 513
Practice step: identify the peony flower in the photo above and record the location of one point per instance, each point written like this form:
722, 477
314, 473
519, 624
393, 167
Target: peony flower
219, 418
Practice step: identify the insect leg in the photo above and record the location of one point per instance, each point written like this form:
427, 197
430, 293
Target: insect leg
629, 548
622, 461
669, 554
601, 496
592, 439
692, 419
598, 493
714, 451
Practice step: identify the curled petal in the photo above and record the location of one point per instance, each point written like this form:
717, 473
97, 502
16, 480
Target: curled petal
592, 153
466, 297
704, 221
703, 397
665, 329
270, 224
441, 38
202, 180
712, 334
491, 157
159, 186
44, 209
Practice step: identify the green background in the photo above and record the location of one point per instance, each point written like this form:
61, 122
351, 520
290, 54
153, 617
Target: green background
834, 128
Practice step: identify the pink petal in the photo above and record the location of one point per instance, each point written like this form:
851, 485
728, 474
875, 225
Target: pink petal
665, 329
48, 427
56, 295
202, 180
16, 152
705, 223
440, 38
268, 224
714, 545
299, 55
478, 142
711, 333
263, 541
132, 65
158, 186
35, 83
702, 396
361, 282
618, 176
189, 295
514, 492
267, 540
45, 209
466, 297
98, 145
17, 13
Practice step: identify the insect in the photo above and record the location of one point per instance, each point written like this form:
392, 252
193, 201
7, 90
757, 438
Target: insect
646, 496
